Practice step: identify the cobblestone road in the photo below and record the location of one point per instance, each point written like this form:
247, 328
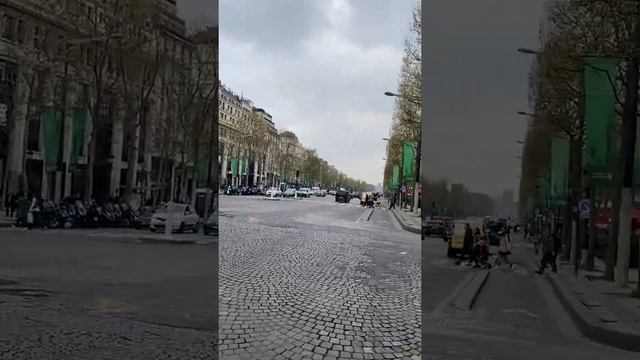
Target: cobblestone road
312, 279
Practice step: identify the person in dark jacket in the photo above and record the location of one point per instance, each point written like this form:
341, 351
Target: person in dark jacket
469, 240
551, 246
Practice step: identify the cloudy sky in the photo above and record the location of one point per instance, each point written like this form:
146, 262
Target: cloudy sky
198, 13
475, 84
320, 67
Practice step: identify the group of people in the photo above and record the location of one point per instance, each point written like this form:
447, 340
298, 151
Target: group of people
476, 247
25, 211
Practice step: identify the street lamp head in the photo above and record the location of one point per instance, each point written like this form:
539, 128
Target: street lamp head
385, 139
528, 51
389, 93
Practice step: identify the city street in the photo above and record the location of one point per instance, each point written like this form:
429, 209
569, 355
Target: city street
80, 294
311, 278
516, 316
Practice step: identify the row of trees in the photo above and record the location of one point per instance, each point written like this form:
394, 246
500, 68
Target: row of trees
442, 198
407, 118
284, 154
131, 72
571, 30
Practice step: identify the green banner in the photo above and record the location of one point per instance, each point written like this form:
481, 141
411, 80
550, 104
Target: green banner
395, 180
51, 120
202, 167
599, 107
244, 166
234, 167
559, 169
408, 149
79, 128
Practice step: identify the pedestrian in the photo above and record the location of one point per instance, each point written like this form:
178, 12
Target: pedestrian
468, 245
33, 216
504, 250
7, 204
551, 245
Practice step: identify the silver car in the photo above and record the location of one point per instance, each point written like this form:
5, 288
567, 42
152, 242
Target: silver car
184, 218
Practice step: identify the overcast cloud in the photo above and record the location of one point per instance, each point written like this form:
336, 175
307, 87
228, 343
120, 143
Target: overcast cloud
475, 84
320, 68
198, 13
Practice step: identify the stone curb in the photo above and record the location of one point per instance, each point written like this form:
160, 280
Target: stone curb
467, 297
162, 240
404, 225
587, 323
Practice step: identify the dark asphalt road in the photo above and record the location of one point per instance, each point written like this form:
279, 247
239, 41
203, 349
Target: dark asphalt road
103, 298
516, 316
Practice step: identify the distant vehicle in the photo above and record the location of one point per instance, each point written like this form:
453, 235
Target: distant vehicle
343, 196
332, 192
316, 191
184, 218
304, 192
434, 228
322, 193
273, 191
289, 193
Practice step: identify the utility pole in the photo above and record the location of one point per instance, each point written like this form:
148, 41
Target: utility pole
629, 128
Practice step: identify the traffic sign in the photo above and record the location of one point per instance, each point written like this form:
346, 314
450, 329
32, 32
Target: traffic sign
584, 207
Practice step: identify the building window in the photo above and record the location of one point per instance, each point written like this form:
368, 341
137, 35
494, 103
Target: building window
8, 27
38, 37
21, 32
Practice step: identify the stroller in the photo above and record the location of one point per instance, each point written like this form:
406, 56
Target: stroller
483, 255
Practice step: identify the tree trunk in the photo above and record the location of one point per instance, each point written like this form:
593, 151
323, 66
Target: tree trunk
132, 160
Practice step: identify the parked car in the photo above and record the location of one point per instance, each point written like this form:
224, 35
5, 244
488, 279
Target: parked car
273, 191
184, 218
332, 192
315, 191
304, 192
343, 196
210, 227
322, 193
290, 192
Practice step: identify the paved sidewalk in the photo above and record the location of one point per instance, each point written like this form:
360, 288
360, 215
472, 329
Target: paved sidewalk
6, 221
602, 311
408, 220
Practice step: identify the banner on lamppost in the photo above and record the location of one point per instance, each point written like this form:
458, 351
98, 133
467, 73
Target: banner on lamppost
600, 76
395, 180
234, 167
559, 169
79, 128
408, 150
51, 120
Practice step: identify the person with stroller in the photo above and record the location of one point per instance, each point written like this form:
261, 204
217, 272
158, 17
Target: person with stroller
481, 249
504, 250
